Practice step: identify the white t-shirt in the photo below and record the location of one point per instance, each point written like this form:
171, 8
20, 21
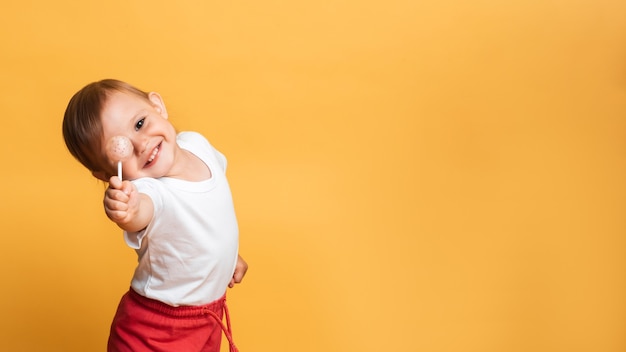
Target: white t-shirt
188, 252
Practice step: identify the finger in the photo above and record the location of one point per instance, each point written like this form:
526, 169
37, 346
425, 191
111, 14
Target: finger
115, 182
237, 276
117, 215
116, 195
115, 205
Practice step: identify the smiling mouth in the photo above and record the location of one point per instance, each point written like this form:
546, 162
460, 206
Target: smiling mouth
155, 151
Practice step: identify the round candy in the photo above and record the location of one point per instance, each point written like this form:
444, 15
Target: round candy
119, 148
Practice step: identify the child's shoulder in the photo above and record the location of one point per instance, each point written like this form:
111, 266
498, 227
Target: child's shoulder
191, 136
192, 140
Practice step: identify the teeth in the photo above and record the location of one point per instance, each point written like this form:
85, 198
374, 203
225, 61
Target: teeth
154, 153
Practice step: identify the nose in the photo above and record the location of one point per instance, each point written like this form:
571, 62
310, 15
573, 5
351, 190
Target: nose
139, 144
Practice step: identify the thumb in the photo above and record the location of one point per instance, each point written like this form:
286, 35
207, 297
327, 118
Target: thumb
127, 186
115, 182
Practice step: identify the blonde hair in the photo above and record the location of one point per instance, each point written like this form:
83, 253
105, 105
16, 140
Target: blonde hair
82, 124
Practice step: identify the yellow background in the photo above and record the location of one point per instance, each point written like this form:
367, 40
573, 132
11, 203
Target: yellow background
408, 175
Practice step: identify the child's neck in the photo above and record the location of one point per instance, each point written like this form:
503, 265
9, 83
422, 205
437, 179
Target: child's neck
191, 168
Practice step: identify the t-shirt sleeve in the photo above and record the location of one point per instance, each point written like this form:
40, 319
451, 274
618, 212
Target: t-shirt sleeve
221, 159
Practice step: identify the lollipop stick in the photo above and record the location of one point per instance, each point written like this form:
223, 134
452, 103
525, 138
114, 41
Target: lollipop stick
119, 148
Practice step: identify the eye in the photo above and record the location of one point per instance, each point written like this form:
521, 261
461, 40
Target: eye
139, 124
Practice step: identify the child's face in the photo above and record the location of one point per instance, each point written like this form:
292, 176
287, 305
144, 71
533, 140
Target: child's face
145, 123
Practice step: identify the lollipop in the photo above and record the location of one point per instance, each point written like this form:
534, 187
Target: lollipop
119, 148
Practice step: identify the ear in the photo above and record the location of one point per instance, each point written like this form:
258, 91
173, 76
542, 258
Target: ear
158, 103
100, 175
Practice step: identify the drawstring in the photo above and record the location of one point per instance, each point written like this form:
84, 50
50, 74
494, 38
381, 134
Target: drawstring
226, 328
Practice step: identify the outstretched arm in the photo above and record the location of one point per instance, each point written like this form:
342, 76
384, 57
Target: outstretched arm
124, 205
240, 272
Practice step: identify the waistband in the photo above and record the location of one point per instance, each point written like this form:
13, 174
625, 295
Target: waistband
180, 311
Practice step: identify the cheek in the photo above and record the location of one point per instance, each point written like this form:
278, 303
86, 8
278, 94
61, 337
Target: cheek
129, 168
172, 131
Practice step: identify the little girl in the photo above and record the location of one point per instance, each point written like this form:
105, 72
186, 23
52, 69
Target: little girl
176, 210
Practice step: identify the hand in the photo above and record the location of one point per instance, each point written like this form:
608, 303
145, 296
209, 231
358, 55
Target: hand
240, 271
121, 202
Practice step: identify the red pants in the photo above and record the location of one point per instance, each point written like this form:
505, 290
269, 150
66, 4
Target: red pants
143, 324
